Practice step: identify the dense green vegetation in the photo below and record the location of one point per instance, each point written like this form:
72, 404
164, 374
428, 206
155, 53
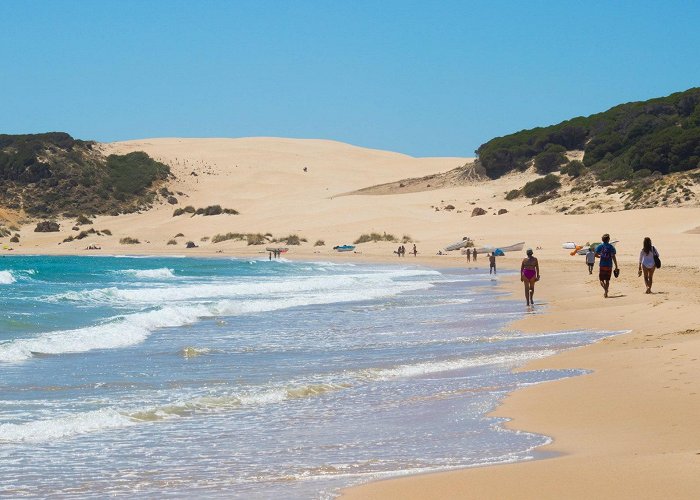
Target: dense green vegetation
658, 135
53, 174
542, 185
132, 173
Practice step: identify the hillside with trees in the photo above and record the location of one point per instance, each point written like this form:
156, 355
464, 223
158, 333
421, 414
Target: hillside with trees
658, 135
54, 174
629, 148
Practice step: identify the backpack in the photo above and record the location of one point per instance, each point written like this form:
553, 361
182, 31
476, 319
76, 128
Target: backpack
605, 253
657, 260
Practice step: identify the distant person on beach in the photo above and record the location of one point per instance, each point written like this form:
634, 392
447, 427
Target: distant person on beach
529, 274
469, 255
648, 262
606, 253
474, 254
590, 259
415, 250
492, 263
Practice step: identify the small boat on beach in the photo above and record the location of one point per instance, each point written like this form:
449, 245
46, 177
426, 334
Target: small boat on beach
277, 249
515, 247
460, 244
344, 248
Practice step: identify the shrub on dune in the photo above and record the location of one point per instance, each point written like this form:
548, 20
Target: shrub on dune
540, 186
256, 239
364, 238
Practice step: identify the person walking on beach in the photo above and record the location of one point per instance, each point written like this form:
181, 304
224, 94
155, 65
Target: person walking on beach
415, 250
648, 262
606, 253
529, 274
590, 259
469, 255
474, 254
492, 263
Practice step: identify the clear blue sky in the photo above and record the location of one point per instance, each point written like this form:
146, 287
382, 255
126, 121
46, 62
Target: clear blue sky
428, 78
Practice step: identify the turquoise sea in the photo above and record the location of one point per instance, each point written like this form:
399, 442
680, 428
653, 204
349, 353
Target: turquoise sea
224, 378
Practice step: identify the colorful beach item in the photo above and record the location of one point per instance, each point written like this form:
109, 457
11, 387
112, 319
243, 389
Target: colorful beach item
344, 248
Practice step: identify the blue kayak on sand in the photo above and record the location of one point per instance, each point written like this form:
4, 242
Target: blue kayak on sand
344, 248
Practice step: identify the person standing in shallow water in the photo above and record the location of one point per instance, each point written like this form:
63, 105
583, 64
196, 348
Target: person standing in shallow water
492, 263
529, 274
647, 262
606, 253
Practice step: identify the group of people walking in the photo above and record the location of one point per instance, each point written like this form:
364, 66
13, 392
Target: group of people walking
649, 261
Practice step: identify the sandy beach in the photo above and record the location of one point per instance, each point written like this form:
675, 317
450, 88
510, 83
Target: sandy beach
628, 429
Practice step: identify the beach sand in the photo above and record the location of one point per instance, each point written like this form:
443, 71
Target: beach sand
626, 430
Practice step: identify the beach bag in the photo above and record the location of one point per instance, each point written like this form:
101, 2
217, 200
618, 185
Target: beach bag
657, 260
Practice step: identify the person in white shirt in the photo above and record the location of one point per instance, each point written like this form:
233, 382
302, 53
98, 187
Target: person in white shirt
590, 259
647, 262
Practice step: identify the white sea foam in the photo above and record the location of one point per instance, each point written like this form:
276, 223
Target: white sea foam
135, 328
161, 273
6, 278
120, 332
431, 367
64, 426
249, 289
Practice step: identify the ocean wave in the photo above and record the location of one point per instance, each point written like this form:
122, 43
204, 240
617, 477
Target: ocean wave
193, 352
65, 426
113, 418
133, 329
161, 273
6, 278
394, 280
120, 332
431, 367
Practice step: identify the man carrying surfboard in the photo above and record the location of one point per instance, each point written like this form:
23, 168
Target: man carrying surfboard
606, 253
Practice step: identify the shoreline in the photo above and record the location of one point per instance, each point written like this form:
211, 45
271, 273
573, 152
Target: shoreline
611, 435
629, 373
